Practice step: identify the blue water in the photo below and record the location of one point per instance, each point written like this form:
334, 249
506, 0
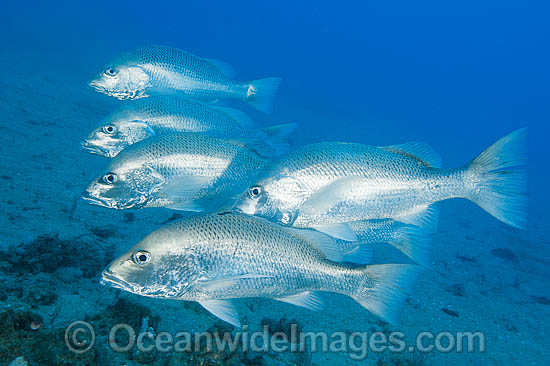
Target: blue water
456, 76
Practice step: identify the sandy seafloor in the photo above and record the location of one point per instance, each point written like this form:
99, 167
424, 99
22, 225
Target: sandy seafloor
44, 114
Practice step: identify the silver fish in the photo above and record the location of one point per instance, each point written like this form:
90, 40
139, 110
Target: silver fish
414, 241
213, 259
182, 171
161, 115
326, 185
155, 70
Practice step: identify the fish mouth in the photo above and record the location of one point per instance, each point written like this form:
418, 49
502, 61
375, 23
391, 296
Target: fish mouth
238, 210
108, 279
97, 87
120, 95
97, 201
91, 148
246, 209
109, 203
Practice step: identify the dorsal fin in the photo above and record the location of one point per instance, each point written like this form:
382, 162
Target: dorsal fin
324, 243
256, 145
420, 151
224, 67
240, 117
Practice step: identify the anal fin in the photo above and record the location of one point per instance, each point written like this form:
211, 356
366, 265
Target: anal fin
308, 299
361, 254
425, 217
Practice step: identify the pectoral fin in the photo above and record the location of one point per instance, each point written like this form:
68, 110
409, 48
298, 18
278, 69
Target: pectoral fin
330, 195
221, 284
339, 230
182, 192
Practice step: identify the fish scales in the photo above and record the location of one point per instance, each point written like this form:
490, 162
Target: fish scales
220, 257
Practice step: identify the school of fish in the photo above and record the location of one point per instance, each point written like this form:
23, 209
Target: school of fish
272, 221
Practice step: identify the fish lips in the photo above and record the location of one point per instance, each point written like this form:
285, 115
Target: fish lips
86, 196
93, 149
113, 203
96, 85
109, 279
244, 206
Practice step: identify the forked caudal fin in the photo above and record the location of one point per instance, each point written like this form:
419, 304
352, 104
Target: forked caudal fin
501, 179
260, 93
383, 288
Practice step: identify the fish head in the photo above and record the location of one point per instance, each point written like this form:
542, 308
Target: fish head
125, 187
270, 198
114, 136
164, 265
122, 81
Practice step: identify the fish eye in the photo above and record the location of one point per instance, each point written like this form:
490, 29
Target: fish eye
109, 129
142, 257
110, 178
255, 191
111, 71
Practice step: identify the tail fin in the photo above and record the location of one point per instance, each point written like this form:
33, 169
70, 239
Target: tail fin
383, 288
502, 186
415, 242
278, 137
261, 93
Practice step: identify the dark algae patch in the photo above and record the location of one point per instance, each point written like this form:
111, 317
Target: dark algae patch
505, 254
48, 253
450, 312
541, 300
38, 346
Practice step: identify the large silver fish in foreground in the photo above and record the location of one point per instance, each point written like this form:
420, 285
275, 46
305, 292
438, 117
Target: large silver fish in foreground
213, 259
160, 70
184, 171
326, 185
159, 115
